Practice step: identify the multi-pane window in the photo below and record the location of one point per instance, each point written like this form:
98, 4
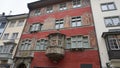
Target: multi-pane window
20, 23
76, 3
63, 6
76, 21
5, 37
49, 9
35, 27
108, 6
37, 12
114, 42
1, 47
2, 25
12, 24
59, 24
14, 35
79, 42
68, 43
41, 44
112, 21
25, 45
7, 49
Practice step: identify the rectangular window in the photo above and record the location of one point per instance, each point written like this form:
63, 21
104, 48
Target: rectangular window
114, 42
37, 12
68, 43
86, 66
41, 44
20, 23
76, 3
85, 42
59, 24
76, 21
5, 37
112, 21
1, 47
63, 6
79, 42
35, 27
108, 6
2, 25
12, 24
49, 9
6, 49
14, 35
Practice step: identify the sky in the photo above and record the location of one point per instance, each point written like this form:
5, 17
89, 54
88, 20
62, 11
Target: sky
13, 7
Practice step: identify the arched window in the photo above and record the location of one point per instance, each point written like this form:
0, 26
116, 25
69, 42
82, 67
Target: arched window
25, 45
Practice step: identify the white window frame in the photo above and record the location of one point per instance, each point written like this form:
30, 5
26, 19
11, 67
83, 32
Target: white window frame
35, 27
25, 44
6, 35
68, 43
62, 6
76, 21
14, 35
41, 44
12, 23
59, 24
108, 6
49, 9
7, 49
79, 42
112, 21
76, 3
20, 23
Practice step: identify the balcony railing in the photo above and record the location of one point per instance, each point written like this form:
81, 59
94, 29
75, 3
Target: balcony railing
5, 55
9, 41
114, 54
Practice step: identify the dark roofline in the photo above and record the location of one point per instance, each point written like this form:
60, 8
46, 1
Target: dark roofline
43, 3
109, 33
16, 15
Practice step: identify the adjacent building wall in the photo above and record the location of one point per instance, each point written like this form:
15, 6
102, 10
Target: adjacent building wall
100, 27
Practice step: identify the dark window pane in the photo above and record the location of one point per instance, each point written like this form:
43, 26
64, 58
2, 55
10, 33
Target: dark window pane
86, 66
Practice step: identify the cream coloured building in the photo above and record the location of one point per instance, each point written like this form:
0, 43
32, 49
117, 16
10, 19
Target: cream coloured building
106, 15
10, 38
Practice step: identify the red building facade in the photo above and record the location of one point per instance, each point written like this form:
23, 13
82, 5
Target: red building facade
58, 34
